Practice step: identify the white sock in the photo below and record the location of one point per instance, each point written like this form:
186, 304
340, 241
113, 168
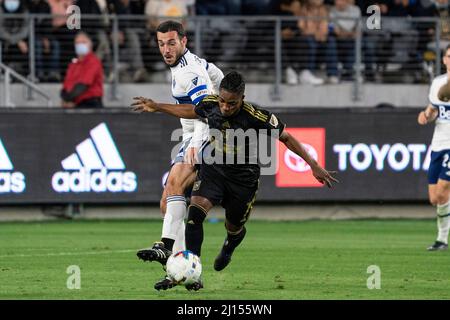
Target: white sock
443, 221
180, 243
174, 217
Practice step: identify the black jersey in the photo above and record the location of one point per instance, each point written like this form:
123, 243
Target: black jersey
240, 136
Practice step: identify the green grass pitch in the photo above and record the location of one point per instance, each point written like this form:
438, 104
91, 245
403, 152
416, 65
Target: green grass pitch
277, 260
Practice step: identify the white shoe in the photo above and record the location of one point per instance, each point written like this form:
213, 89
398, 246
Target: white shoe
333, 80
291, 76
306, 77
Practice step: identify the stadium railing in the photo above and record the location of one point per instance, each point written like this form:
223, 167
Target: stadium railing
403, 50
9, 75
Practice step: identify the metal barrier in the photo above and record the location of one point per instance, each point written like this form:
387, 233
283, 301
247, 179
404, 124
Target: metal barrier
10, 73
403, 51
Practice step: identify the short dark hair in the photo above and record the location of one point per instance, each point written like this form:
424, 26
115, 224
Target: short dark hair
171, 25
233, 82
447, 48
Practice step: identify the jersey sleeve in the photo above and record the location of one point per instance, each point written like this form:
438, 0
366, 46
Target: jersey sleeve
196, 87
433, 95
216, 76
265, 119
203, 109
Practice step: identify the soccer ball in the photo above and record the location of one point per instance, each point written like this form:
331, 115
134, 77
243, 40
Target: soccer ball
184, 267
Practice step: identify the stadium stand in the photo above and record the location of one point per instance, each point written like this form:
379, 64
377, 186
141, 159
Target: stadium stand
356, 67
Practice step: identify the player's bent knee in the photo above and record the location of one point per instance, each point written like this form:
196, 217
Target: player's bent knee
196, 214
174, 187
232, 228
441, 197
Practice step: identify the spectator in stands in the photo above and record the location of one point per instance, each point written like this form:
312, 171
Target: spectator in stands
396, 43
218, 7
14, 35
98, 27
292, 44
128, 36
403, 34
442, 11
255, 7
157, 9
223, 40
344, 29
373, 55
314, 28
83, 84
62, 34
47, 48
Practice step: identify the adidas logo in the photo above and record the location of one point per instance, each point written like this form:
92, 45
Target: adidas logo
96, 166
10, 181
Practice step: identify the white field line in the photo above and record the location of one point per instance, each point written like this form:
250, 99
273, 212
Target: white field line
57, 254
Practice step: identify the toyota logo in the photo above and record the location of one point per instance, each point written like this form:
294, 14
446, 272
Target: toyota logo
295, 162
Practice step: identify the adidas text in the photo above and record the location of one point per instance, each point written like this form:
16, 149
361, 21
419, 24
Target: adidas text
12, 182
94, 181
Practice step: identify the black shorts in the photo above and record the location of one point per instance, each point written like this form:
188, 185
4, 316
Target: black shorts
237, 199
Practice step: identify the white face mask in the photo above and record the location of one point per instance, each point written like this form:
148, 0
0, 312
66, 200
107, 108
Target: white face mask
12, 5
81, 49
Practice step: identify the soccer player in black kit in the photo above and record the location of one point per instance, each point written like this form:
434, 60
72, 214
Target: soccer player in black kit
233, 185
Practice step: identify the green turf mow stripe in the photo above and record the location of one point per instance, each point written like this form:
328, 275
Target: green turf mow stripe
277, 260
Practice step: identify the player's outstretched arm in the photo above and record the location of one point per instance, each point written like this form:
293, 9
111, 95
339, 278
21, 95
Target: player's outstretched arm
428, 115
322, 175
142, 104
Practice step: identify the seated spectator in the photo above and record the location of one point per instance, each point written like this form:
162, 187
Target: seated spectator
218, 8
442, 11
47, 48
83, 84
402, 33
314, 28
128, 37
98, 26
344, 29
373, 54
223, 40
60, 32
14, 35
395, 46
292, 43
255, 7
156, 10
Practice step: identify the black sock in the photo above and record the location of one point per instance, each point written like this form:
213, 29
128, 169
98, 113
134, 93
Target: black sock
233, 240
168, 243
194, 238
194, 229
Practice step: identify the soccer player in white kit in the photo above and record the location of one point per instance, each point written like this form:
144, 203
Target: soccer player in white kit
193, 79
439, 171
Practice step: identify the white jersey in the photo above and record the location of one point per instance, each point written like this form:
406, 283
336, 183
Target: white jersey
441, 136
193, 79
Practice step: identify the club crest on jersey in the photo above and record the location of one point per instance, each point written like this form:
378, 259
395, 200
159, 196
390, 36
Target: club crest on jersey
194, 81
196, 185
273, 121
